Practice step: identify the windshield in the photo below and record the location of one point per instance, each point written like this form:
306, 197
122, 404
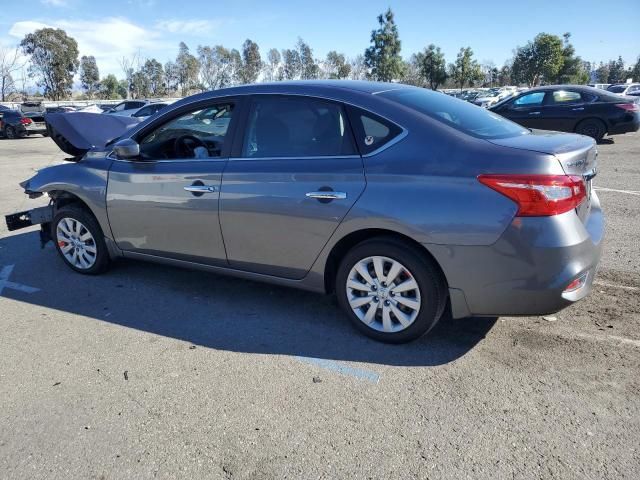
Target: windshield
617, 88
458, 114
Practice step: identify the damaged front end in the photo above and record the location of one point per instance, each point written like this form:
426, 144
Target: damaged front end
85, 136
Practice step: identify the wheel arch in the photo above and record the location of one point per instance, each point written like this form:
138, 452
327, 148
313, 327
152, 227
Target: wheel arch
597, 119
346, 243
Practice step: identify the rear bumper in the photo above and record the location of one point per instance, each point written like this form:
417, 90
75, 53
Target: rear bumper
629, 126
528, 269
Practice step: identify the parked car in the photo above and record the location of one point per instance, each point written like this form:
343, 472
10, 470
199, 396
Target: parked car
570, 108
488, 98
624, 88
148, 110
62, 109
127, 107
15, 124
399, 199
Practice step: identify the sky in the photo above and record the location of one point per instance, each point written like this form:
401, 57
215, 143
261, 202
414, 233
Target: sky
111, 29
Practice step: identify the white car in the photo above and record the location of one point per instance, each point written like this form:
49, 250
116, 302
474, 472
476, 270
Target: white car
126, 108
148, 110
625, 89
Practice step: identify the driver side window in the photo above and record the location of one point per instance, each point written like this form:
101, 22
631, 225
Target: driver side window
199, 134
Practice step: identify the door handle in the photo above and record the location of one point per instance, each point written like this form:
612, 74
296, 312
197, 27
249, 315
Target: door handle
534, 113
328, 195
200, 188
578, 109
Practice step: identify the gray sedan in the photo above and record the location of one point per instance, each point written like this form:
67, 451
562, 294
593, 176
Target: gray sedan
402, 201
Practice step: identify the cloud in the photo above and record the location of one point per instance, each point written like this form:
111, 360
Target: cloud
54, 3
108, 40
195, 27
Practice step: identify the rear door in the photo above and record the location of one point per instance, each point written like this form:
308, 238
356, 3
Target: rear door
295, 176
564, 108
165, 203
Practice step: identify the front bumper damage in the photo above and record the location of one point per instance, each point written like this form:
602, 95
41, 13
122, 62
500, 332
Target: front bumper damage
42, 216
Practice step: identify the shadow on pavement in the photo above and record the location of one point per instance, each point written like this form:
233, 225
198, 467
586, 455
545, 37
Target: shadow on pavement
220, 312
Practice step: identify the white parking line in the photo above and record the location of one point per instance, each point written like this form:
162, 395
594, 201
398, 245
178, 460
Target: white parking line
5, 273
628, 192
614, 285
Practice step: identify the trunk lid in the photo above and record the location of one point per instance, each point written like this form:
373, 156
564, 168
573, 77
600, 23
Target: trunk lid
75, 133
577, 155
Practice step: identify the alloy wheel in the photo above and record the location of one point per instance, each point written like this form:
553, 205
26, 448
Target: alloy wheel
76, 243
383, 294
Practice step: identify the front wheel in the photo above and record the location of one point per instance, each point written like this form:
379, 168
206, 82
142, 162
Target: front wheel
390, 290
79, 240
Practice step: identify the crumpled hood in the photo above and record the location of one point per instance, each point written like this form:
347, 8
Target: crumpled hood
77, 132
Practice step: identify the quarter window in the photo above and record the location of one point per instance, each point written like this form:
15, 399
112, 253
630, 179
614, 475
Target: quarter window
372, 131
198, 134
296, 127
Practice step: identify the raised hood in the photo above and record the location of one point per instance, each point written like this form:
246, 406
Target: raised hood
576, 153
77, 132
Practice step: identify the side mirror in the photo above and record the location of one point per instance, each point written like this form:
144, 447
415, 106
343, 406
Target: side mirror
127, 148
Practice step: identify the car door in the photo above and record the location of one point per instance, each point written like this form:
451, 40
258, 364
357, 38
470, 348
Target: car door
564, 108
293, 177
527, 110
165, 202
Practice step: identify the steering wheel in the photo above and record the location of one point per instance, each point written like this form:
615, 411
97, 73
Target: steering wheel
184, 146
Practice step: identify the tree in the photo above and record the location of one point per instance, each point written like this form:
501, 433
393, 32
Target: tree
251, 62
602, 73
431, 66
539, 60
291, 64
219, 66
358, 68
573, 68
110, 88
309, 68
9, 64
171, 77
273, 69
188, 68
54, 60
129, 65
154, 74
89, 75
616, 71
336, 65
466, 70
504, 75
383, 56
635, 71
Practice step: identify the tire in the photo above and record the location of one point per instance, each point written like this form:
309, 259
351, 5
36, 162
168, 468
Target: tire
10, 133
592, 127
87, 245
420, 308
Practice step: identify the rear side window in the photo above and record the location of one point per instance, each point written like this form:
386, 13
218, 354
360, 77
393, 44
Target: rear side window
281, 126
566, 97
371, 131
458, 114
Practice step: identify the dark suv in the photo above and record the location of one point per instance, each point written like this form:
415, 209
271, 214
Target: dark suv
15, 124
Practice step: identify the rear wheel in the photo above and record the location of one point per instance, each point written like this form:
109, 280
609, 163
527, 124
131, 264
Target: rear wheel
390, 290
593, 128
10, 132
80, 241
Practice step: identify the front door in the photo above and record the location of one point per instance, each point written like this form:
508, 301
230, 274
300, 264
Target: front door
295, 179
165, 203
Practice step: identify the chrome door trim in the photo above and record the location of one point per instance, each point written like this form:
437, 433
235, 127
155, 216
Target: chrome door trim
327, 195
201, 188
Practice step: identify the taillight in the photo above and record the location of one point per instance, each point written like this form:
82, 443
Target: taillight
25, 121
629, 107
539, 195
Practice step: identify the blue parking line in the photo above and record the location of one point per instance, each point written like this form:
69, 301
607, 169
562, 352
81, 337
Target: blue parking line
359, 373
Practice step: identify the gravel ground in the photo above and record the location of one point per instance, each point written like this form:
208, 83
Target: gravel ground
156, 372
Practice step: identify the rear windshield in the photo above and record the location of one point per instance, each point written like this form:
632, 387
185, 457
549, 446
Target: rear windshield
458, 114
617, 88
